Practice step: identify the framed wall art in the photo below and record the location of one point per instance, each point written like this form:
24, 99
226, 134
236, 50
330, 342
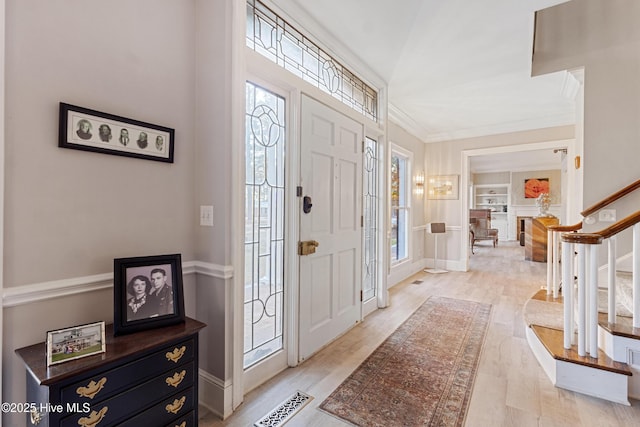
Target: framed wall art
147, 292
443, 187
533, 187
89, 130
75, 342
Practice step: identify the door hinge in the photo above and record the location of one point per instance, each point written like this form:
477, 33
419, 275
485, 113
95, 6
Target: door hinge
361, 295
299, 191
363, 146
361, 221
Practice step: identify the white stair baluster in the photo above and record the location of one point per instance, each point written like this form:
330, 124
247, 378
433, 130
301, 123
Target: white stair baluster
556, 264
611, 297
550, 261
567, 292
636, 275
593, 301
582, 300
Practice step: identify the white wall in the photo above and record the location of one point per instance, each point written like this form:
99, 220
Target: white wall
69, 213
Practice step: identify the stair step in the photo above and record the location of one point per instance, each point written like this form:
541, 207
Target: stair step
622, 328
553, 341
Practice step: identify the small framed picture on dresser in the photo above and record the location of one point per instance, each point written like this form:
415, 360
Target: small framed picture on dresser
147, 292
75, 342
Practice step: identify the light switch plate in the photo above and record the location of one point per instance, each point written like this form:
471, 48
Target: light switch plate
607, 215
206, 216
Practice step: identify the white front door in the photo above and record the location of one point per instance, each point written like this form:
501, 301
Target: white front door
331, 176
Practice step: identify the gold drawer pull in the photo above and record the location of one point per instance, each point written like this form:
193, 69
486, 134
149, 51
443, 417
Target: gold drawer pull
176, 354
176, 379
35, 417
93, 419
177, 404
91, 389
183, 424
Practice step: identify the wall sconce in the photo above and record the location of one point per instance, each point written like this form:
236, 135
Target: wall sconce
419, 182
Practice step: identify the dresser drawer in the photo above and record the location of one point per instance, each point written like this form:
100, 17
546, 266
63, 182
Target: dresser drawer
189, 420
128, 403
102, 386
177, 410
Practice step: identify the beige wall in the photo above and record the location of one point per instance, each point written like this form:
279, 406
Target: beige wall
604, 38
445, 158
69, 213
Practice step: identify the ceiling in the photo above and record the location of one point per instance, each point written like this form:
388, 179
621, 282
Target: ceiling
454, 68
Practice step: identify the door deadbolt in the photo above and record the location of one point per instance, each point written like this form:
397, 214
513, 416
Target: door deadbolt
306, 204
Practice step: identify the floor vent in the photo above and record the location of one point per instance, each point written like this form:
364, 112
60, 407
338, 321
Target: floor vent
285, 410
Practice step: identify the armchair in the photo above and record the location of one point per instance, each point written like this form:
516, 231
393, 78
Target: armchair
480, 227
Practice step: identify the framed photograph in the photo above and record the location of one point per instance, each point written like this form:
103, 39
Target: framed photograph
147, 293
90, 130
75, 342
444, 187
533, 187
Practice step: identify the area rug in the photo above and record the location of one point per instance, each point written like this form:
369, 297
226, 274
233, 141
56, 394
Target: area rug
422, 374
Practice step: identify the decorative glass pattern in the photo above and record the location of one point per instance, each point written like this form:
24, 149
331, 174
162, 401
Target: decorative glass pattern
371, 203
264, 224
272, 37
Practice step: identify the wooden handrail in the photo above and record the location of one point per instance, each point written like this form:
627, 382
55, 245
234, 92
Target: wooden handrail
612, 198
565, 228
597, 237
623, 224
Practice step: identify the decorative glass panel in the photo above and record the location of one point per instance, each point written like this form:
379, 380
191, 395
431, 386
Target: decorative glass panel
264, 224
272, 37
371, 203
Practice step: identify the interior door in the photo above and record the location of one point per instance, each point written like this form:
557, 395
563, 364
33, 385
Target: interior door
331, 179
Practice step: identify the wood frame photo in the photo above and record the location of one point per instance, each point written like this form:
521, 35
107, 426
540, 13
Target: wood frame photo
443, 187
89, 130
75, 342
147, 293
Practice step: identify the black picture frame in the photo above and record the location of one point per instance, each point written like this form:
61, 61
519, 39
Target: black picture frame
134, 313
90, 130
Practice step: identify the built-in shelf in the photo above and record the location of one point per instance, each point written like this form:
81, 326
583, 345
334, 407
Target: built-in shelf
497, 198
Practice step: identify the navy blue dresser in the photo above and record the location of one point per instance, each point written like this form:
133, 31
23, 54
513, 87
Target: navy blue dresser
148, 378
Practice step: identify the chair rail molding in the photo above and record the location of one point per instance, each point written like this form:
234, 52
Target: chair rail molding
27, 294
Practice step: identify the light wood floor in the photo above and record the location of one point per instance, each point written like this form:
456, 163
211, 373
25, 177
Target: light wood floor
511, 389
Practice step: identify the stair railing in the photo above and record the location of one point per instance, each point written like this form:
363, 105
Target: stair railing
587, 246
554, 232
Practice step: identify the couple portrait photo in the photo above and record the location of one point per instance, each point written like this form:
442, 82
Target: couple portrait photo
149, 293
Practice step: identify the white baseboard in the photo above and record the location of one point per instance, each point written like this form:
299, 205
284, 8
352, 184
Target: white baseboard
215, 394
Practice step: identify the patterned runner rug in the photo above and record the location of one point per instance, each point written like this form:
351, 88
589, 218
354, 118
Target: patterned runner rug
422, 374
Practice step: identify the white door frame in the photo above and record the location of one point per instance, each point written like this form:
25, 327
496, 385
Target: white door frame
2, 160
252, 66
570, 144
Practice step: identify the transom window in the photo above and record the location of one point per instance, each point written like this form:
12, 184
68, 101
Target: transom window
274, 38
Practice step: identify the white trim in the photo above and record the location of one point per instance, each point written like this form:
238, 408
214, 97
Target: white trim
408, 155
2, 184
214, 394
208, 269
238, 67
27, 294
